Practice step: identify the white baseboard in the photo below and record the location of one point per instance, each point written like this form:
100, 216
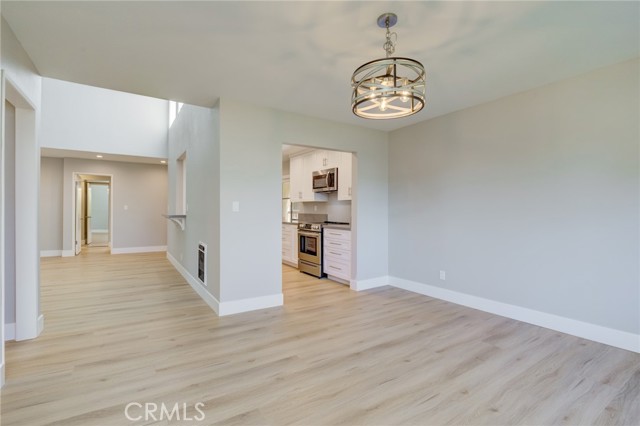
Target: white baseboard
68, 253
50, 253
231, 307
286, 262
99, 231
359, 285
608, 336
10, 331
197, 286
251, 304
40, 324
128, 250
338, 280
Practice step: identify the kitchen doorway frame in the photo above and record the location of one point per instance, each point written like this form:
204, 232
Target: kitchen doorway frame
354, 208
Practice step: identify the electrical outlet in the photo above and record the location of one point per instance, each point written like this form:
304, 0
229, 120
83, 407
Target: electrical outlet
443, 275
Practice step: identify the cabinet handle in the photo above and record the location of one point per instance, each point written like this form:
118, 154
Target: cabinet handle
333, 267
334, 244
337, 254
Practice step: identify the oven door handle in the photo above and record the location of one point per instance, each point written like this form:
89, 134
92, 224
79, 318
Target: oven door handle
309, 234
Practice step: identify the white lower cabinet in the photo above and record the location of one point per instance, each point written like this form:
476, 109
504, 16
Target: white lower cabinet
290, 244
337, 254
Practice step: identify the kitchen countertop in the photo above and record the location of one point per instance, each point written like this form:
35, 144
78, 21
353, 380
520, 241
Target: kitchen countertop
333, 226
326, 226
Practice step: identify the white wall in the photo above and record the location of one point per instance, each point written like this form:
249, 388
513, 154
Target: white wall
234, 155
195, 131
251, 141
86, 118
142, 188
51, 193
531, 200
18, 67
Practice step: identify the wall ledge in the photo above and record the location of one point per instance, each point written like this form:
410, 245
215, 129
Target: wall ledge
50, 253
608, 336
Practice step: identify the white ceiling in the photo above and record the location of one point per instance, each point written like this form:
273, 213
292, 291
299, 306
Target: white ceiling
299, 56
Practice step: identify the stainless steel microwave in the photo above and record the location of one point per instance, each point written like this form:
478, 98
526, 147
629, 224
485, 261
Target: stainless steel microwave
325, 180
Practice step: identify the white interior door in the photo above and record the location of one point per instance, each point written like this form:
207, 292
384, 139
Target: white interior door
89, 236
79, 218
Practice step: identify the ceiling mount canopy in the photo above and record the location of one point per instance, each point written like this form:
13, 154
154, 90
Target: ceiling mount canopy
391, 87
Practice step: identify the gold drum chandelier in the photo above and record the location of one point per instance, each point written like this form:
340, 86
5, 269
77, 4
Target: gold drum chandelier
391, 87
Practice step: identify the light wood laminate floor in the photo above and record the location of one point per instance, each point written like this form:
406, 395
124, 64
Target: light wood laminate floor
127, 328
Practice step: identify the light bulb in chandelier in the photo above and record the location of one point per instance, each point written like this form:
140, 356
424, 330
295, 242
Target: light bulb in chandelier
404, 95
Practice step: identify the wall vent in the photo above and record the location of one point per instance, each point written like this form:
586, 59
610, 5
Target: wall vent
202, 262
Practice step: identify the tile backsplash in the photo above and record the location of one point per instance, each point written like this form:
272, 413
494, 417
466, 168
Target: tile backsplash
336, 210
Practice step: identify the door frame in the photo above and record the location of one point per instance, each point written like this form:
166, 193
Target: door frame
29, 320
76, 176
78, 196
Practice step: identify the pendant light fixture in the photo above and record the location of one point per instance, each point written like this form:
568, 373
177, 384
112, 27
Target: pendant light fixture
391, 87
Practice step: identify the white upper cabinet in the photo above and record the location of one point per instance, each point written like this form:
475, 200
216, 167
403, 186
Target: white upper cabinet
326, 159
301, 168
344, 176
300, 175
296, 179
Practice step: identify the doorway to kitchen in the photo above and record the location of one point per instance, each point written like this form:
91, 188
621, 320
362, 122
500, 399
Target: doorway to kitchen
92, 211
318, 197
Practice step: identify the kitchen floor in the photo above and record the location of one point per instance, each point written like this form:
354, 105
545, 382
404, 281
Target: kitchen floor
127, 328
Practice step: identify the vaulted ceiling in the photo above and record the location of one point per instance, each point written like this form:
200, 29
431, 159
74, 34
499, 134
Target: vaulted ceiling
299, 56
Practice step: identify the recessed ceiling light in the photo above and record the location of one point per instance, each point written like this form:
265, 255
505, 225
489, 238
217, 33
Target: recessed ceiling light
163, 161
99, 156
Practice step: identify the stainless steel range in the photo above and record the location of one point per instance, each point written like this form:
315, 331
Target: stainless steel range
310, 249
